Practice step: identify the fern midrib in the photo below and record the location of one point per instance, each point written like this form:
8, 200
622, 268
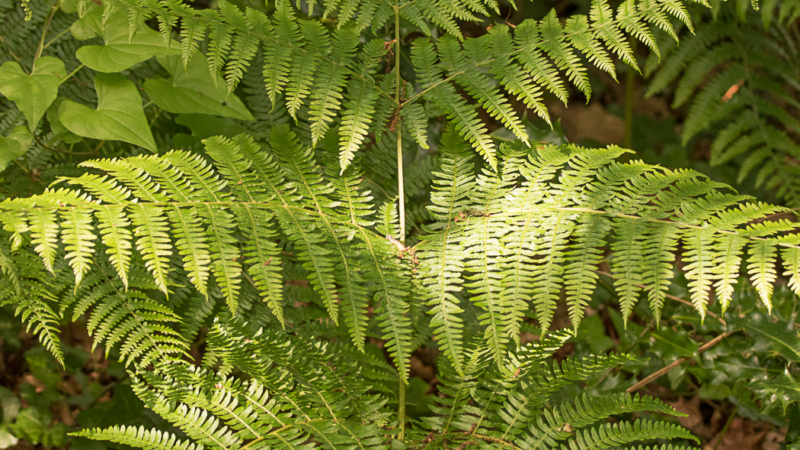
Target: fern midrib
202, 429
322, 435
225, 263
256, 403
344, 388
236, 416
117, 237
275, 391
547, 209
399, 344
79, 241
487, 279
659, 277
239, 62
350, 432
456, 399
265, 177
452, 225
358, 116
256, 236
482, 437
337, 242
197, 272
554, 251
153, 247
442, 298
491, 295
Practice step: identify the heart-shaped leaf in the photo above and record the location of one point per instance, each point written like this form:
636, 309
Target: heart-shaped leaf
32, 93
193, 91
119, 115
121, 51
14, 145
59, 130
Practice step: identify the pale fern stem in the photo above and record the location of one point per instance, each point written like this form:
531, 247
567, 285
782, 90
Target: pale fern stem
401, 207
399, 133
630, 84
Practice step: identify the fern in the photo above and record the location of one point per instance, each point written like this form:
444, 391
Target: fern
336, 77
753, 67
314, 393
300, 252
510, 239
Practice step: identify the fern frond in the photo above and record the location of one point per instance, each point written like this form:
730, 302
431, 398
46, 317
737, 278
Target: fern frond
192, 32
326, 97
359, 108
34, 299
749, 64
606, 31
444, 96
626, 432
139, 437
761, 268
441, 256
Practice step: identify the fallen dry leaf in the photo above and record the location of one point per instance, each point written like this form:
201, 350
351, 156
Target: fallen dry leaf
694, 421
741, 435
773, 439
589, 122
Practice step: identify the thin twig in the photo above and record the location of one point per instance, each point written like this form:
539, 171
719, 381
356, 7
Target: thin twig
40, 48
676, 363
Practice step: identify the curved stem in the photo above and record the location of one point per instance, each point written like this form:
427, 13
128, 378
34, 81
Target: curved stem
44, 31
50, 42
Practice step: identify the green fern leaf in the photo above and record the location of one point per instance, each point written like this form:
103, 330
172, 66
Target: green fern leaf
326, 98
607, 31
138, 437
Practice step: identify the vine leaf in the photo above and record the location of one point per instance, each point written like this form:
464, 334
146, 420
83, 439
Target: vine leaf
193, 91
119, 115
120, 51
14, 145
32, 93
60, 132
